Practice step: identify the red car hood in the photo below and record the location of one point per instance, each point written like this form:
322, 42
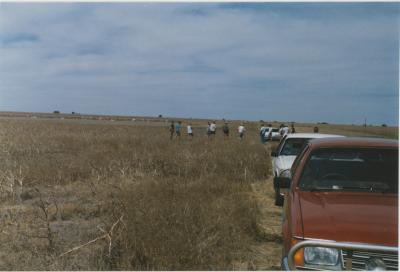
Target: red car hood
350, 217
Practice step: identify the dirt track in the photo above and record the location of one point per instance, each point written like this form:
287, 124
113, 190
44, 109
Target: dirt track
267, 252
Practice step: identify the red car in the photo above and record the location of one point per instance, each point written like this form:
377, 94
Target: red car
341, 206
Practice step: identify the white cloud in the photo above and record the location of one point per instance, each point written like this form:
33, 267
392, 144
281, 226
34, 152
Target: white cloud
154, 55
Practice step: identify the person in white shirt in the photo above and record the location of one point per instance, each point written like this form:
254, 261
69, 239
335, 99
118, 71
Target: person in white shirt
190, 131
241, 130
268, 133
262, 132
283, 130
213, 128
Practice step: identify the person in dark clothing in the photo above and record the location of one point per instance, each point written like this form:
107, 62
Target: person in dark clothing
208, 129
225, 130
269, 136
316, 129
178, 129
292, 130
171, 130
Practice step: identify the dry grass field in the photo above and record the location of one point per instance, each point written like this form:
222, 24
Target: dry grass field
117, 194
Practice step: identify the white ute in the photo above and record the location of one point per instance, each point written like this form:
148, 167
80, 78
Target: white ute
286, 152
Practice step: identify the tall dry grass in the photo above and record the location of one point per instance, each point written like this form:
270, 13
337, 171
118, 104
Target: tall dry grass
186, 204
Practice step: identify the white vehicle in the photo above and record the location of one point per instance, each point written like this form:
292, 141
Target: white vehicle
272, 134
286, 152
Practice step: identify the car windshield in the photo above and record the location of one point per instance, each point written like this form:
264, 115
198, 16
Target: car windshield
368, 169
293, 146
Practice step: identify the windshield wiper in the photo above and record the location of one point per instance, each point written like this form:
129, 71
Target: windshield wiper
356, 188
370, 188
322, 189
350, 188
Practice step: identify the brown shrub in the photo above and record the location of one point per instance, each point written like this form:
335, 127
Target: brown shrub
198, 225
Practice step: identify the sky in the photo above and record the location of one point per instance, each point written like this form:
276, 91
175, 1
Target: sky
302, 62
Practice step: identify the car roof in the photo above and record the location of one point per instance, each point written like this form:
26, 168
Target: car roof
354, 142
311, 135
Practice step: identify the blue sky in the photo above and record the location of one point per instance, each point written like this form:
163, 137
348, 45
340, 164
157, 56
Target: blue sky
311, 62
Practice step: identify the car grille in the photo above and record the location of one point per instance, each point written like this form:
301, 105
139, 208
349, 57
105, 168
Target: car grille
359, 259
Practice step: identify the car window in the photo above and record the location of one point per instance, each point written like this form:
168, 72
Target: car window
354, 169
293, 146
275, 130
282, 142
298, 160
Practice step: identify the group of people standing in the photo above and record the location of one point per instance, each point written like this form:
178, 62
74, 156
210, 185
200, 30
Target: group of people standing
176, 127
265, 131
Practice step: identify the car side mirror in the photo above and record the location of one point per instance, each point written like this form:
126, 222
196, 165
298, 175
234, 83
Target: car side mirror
274, 154
282, 183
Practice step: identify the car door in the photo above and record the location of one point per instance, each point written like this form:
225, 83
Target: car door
289, 213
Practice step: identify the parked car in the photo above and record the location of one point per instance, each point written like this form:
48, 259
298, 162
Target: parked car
286, 152
341, 206
272, 134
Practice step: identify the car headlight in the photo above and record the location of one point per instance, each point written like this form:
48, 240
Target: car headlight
322, 256
285, 173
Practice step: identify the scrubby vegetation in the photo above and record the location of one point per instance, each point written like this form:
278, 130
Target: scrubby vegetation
100, 196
